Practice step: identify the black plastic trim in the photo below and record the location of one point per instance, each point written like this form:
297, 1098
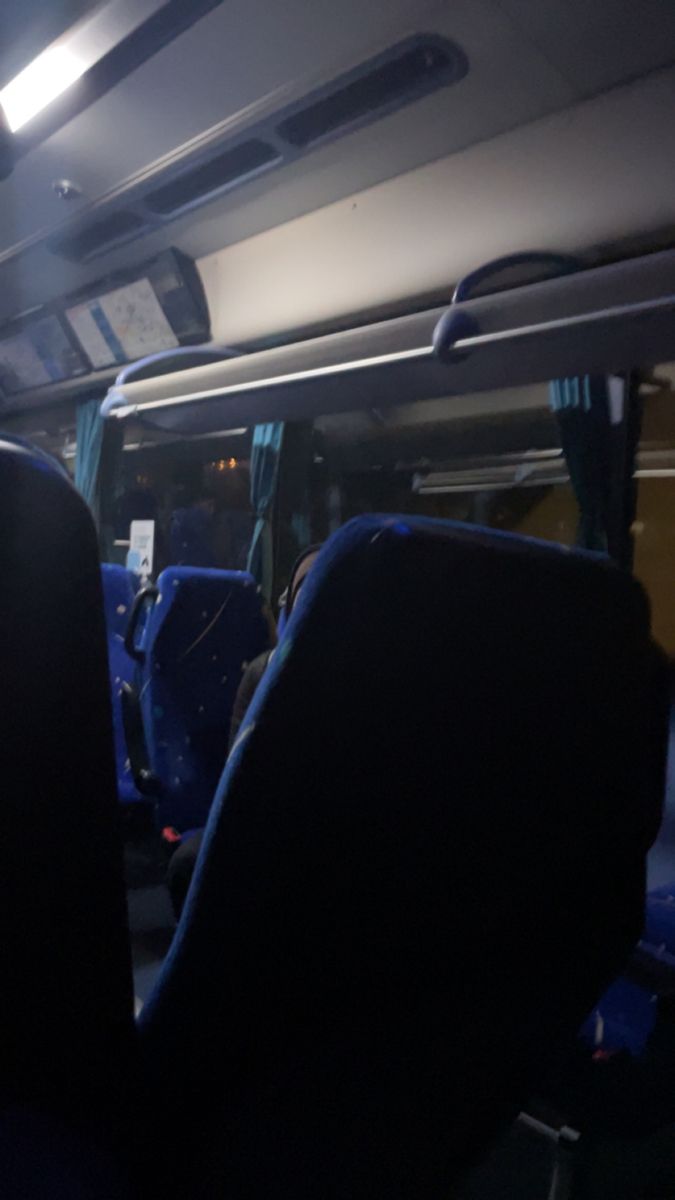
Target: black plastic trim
226, 169
79, 245
405, 72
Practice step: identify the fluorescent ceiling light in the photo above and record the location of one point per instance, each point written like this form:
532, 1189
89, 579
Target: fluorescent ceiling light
39, 83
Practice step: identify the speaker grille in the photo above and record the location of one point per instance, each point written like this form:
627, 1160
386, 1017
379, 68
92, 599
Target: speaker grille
226, 169
404, 74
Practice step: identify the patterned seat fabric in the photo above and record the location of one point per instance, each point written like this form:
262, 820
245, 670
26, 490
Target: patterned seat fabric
119, 588
203, 630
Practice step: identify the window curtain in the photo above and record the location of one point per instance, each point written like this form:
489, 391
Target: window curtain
89, 435
581, 406
265, 454
294, 530
598, 419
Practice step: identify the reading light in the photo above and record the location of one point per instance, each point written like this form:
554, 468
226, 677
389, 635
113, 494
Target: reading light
39, 83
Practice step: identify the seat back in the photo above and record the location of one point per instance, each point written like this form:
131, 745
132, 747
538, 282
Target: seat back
119, 589
66, 1000
204, 628
424, 863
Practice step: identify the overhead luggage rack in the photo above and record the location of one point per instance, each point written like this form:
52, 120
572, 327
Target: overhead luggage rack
609, 318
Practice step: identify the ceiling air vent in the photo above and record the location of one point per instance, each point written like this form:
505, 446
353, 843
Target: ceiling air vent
95, 238
230, 167
408, 71
400, 75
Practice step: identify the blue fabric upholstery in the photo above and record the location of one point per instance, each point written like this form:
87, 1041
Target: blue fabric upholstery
41, 459
425, 860
623, 1019
66, 1000
191, 537
659, 931
119, 587
203, 630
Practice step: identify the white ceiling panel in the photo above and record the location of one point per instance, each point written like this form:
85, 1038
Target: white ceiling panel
251, 52
577, 181
528, 59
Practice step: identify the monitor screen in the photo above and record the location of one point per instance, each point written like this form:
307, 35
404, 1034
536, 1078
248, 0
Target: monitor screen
121, 325
38, 354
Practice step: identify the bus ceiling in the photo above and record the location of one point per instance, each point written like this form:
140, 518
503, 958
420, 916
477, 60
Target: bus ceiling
490, 127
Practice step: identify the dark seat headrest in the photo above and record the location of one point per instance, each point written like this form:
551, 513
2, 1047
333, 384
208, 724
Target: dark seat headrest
66, 1002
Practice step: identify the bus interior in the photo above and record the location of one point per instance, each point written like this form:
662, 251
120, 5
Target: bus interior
337, 599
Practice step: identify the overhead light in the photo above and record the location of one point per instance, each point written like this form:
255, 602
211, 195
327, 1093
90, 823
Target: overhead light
50, 74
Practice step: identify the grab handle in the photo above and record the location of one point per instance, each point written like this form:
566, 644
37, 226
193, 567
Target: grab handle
149, 593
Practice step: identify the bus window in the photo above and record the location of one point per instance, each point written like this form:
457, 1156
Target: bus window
197, 491
491, 458
495, 459
653, 529
503, 468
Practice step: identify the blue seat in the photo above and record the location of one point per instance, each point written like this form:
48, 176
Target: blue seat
623, 1019
659, 930
203, 628
190, 537
625, 1015
400, 907
119, 589
66, 1001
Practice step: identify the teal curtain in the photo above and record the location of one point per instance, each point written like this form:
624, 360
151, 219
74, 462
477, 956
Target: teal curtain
89, 435
581, 407
267, 440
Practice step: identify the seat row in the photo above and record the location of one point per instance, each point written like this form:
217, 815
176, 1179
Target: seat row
177, 651
176, 654
424, 860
